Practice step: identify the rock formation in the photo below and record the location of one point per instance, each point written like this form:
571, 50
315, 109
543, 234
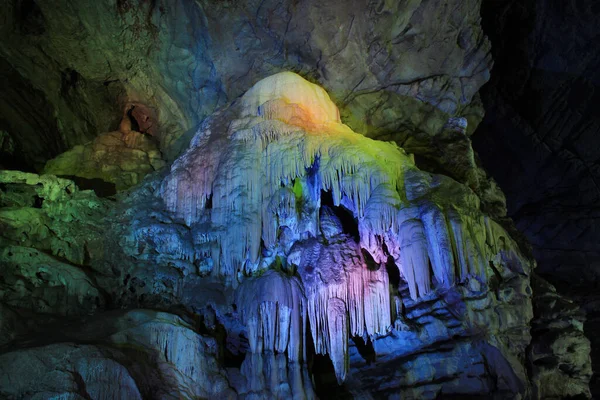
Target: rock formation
264, 199
117, 158
183, 58
282, 226
546, 156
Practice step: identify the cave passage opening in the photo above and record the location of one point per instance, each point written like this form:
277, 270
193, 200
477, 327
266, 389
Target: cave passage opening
346, 217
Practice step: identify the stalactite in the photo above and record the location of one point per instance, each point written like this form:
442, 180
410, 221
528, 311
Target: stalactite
249, 190
337, 324
344, 298
273, 309
242, 167
414, 259
439, 245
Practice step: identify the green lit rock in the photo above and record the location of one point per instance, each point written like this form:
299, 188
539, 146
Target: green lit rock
58, 218
279, 233
38, 282
45, 186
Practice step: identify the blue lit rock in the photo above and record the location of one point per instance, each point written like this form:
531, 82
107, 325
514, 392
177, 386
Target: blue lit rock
286, 256
65, 370
119, 355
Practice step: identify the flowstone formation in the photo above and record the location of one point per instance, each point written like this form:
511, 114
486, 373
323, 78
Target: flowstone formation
277, 183
282, 256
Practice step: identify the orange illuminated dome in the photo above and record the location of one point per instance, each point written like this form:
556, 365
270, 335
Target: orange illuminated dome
289, 98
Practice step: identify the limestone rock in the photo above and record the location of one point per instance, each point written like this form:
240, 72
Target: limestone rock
77, 66
430, 226
183, 359
539, 139
560, 351
283, 254
67, 370
127, 355
51, 215
40, 283
120, 158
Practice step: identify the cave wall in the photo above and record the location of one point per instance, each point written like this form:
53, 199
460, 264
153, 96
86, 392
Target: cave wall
539, 137
84, 62
407, 72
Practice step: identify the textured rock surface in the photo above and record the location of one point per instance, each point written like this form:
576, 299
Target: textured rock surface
66, 371
80, 64
284, 254
118, 355
539, 138
398, 263
559, 351
555, 139
330, 265
51, 215
122, 159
